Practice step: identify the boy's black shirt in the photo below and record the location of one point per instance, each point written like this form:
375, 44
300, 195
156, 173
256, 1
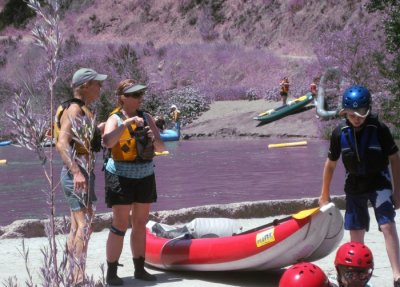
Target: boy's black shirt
371, 182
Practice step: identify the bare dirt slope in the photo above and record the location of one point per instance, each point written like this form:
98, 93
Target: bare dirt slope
235, 119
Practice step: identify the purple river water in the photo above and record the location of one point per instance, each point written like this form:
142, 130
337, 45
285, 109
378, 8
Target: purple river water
197, 172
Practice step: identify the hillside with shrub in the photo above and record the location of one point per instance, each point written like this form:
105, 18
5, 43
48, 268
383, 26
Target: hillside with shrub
193, 52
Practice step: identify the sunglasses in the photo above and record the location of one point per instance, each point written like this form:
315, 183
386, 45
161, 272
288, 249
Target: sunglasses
361, 113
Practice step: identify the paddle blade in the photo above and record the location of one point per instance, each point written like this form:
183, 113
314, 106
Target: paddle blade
305, 213
300, 143
165, 152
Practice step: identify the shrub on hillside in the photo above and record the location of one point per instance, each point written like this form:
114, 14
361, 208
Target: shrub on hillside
123, 58
295, 5
16, 13
206, 26
6, 46
355, 53
191, 102
326, 127
221, 71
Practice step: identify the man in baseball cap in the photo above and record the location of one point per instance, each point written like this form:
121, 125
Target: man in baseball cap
84, 75
77, 183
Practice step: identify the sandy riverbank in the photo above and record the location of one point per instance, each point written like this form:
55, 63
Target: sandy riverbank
12, 264
235, 119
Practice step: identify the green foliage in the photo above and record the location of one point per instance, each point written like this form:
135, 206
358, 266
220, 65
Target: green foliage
104, 107
154, 104
216, 8
124, 59
392, 72
326, 127
16, 13
6, 47
191, 103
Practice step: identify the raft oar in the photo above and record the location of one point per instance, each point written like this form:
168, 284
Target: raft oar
305, 213
165, 152
301, 143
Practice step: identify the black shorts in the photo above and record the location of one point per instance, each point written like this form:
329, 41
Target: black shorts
283, 94
122, 190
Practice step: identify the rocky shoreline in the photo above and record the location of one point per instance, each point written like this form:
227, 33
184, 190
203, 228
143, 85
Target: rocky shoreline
30, 228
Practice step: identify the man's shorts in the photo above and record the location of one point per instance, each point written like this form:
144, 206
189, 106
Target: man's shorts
357, 216
77, 200
122, 190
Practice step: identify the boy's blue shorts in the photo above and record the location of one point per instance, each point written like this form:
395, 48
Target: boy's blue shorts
357, 216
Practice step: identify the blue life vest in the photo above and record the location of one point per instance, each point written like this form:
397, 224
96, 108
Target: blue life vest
362, 155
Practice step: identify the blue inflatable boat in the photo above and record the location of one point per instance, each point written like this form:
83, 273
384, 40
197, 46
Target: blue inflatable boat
171, 134
4, 143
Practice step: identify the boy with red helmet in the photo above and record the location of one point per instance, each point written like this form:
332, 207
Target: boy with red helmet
372, 163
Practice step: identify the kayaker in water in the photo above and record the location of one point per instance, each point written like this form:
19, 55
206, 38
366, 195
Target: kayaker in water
77, 183
284, 89
133, 137
367, 147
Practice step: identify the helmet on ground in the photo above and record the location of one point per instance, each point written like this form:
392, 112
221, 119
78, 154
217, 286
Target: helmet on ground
354, 254
304, 274
356, 97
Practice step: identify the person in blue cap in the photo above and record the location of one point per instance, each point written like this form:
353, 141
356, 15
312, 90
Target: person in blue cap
77, 183
367, 147
133, 137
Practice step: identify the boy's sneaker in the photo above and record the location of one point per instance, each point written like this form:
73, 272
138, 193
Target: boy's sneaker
397, 283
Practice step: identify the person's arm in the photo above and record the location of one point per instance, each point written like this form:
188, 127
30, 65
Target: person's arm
112, 132
394, 160
327, 176
158, 143
64, 148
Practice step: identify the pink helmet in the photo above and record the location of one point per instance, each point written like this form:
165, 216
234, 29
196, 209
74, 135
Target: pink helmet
354, 254
304, 274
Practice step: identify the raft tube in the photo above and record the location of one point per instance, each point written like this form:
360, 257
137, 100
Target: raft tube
309, 234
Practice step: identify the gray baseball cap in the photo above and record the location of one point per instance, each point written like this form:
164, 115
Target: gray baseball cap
134, 88
84, 75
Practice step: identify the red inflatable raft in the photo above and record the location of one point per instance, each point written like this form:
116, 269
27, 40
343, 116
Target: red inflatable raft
308, 235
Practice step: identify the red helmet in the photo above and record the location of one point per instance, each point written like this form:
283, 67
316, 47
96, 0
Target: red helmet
354, 254
304, 274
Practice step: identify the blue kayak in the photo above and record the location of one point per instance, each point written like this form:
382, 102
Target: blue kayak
4, 143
